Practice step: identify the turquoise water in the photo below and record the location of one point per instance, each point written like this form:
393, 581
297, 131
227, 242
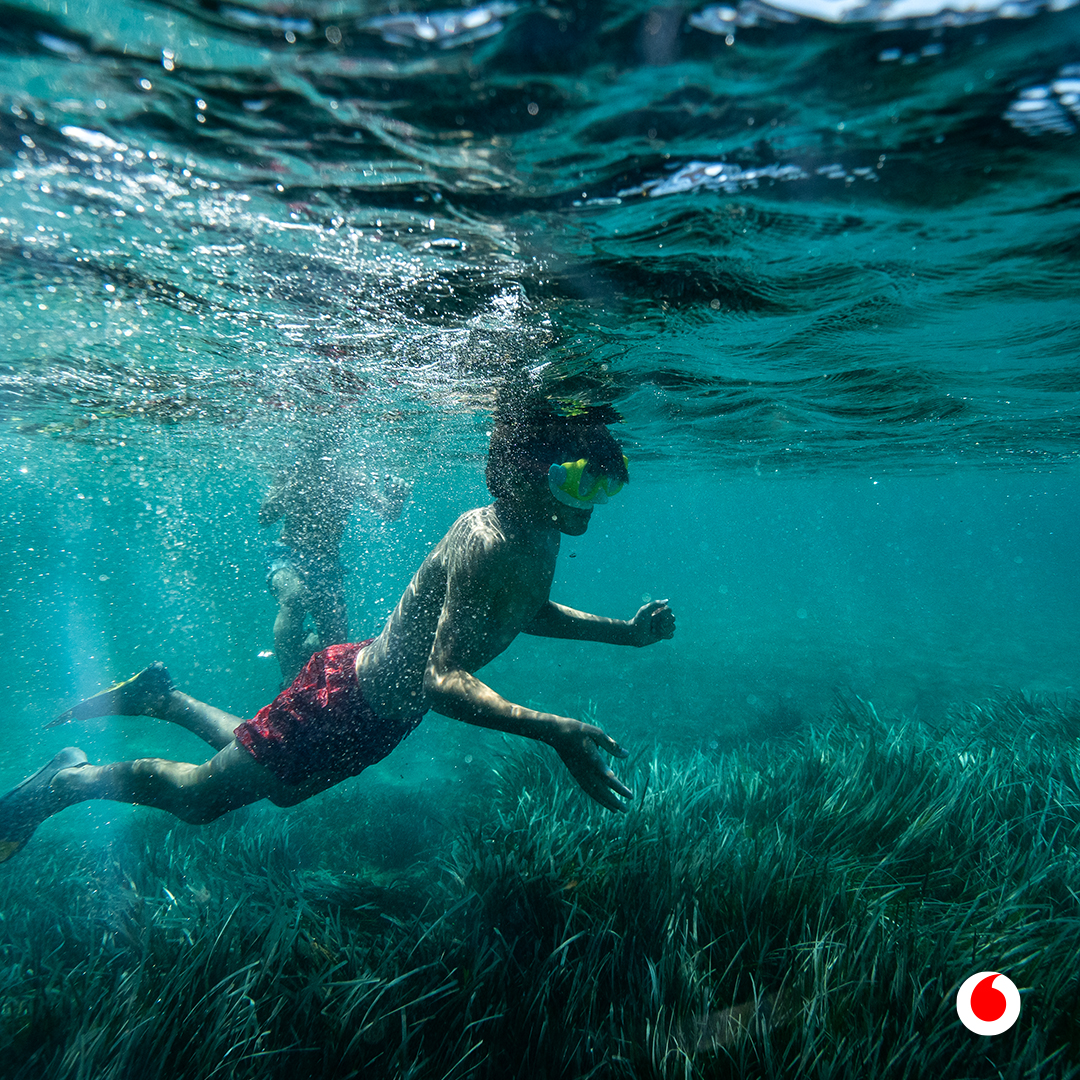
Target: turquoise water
826, 269
844, 341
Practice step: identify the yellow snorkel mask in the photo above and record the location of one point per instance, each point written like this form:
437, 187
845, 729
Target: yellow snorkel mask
573, 485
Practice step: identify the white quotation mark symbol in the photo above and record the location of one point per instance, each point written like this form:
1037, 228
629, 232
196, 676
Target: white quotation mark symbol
988, 1003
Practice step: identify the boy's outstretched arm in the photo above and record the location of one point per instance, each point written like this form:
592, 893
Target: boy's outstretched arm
473, 627
456, 693
654, 622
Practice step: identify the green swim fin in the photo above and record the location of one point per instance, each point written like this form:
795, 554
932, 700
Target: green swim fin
132, 697
28, 804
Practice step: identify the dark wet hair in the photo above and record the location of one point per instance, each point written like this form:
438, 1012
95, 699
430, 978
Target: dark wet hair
531, 436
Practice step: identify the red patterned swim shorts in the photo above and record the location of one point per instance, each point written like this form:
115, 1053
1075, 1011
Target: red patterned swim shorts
321, 725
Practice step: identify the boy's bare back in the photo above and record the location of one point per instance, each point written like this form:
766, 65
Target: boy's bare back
485, 582
478, 588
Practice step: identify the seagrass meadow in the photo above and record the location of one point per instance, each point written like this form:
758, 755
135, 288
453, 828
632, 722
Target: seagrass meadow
804, 905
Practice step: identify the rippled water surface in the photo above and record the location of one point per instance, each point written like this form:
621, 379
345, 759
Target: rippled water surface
822, 258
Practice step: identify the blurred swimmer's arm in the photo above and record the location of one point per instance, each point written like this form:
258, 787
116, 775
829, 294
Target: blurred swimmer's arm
273, 505
388, 499
654, 622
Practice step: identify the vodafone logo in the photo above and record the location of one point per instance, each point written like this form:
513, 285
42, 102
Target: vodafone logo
988, 1003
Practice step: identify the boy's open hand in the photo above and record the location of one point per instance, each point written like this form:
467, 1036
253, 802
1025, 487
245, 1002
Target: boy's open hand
654, 622
579, 746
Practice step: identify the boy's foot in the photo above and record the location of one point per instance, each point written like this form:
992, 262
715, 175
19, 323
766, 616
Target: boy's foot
28, 804
145, 694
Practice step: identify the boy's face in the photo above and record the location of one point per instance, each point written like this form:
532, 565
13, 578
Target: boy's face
569, 520
561, 493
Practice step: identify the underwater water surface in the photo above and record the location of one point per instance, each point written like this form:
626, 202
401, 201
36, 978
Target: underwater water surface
822, 257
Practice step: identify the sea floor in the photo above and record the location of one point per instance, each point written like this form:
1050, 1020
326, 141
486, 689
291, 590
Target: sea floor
803, 905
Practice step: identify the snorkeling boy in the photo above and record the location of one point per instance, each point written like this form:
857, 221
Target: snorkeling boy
484, 583
315, 497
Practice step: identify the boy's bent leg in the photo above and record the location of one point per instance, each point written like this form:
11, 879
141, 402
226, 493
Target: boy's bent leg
194, 793
212, 725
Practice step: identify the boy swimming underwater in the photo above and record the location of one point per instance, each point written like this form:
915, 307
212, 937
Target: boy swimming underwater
484, 583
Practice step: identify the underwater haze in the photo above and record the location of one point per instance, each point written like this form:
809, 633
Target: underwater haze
823, 257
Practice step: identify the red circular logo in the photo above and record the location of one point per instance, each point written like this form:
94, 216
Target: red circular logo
988, 1003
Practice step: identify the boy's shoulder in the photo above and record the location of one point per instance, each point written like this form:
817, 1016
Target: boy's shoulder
479, 540
478, 529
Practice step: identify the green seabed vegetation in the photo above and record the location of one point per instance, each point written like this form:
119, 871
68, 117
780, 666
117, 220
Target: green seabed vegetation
803, 907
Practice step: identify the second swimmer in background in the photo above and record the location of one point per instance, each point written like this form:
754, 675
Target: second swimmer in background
315, 497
